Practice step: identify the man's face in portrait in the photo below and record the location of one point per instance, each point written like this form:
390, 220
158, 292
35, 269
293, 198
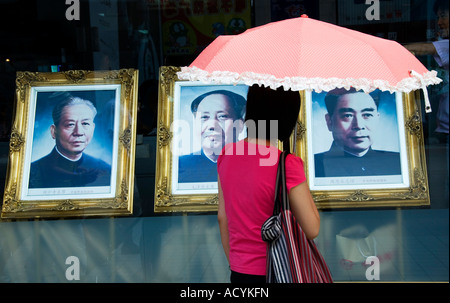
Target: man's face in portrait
353, 121
74, 130
217, 120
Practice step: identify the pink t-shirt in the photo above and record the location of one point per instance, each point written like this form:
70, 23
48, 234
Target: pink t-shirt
247, 174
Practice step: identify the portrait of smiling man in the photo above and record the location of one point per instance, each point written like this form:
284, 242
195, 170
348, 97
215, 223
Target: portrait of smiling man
67, 165
220, 115
353, 118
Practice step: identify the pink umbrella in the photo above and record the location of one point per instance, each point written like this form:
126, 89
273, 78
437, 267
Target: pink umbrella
307, 54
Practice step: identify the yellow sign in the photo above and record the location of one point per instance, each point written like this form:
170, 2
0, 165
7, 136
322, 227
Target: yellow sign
189, 26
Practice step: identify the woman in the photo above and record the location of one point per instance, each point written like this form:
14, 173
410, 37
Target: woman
246, 179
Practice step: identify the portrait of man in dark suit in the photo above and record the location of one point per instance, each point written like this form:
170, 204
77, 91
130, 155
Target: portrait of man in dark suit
221, 117
352, 118
67, 165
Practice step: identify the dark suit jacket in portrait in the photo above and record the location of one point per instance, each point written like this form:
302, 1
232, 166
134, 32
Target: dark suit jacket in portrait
196, 168
54, 170
337, 163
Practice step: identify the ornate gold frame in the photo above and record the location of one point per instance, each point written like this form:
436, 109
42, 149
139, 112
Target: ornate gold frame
165, 201
122, 203
418, 192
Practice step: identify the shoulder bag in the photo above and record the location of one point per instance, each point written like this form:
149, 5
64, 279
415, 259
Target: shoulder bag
291, 257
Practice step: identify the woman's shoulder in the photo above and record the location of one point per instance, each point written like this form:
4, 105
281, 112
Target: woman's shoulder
295, 172
294, 162
293, 158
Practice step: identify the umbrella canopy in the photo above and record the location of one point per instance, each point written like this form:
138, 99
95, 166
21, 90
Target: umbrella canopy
307, 54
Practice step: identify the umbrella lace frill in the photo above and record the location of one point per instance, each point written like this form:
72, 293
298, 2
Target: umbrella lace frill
416, 81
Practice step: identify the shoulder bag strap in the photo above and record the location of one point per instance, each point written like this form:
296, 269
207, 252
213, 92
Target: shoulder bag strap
283, 189
280, 186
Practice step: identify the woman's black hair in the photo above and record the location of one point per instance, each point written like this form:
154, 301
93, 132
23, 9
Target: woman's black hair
266, 104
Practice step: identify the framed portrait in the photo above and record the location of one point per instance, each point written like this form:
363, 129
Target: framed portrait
72, 145
195, 121
363, 149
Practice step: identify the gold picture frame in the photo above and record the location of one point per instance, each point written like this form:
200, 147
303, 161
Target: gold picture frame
176, 124
29, 194
411, 189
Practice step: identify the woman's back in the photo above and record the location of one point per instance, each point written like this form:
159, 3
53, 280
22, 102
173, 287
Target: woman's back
249, 189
